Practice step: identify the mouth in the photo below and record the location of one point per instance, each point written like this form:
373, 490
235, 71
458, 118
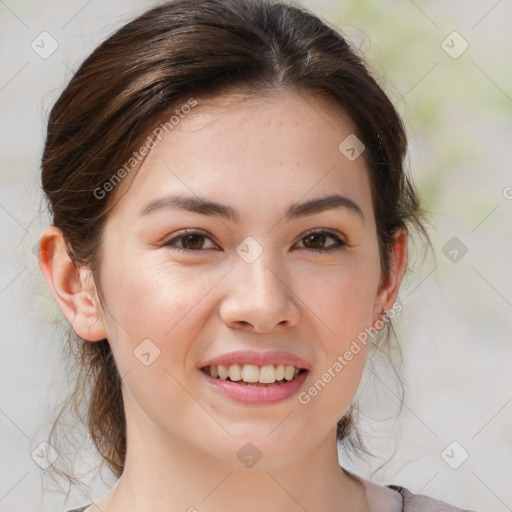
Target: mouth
252, 375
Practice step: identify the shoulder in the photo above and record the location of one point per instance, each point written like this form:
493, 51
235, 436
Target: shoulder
421, 503
395, 498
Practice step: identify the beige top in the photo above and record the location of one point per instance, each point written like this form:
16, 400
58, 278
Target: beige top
394, 498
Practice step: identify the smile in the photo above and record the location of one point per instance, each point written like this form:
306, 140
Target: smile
255, 393
251, 374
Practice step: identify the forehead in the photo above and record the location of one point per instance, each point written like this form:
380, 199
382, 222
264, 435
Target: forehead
248, 148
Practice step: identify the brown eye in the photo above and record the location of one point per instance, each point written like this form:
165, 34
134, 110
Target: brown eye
315, 241
191, 241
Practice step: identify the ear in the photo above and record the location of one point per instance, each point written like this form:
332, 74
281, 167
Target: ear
388, 290
73, 288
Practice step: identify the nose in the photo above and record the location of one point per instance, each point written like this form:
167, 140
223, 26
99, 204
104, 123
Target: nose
258, 298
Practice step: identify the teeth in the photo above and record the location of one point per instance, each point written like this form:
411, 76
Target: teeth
267, 374
235, 372
251, 373
222, 370
289, 372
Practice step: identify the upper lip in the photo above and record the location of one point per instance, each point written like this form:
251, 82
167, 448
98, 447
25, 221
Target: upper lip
258, 359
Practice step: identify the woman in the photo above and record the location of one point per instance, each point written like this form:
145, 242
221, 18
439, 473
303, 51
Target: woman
230, 229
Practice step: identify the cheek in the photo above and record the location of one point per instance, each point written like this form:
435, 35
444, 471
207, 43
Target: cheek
333, 386
341, 297
153, 319
151, 300
156, 310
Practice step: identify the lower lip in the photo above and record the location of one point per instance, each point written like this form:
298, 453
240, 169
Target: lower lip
247, 394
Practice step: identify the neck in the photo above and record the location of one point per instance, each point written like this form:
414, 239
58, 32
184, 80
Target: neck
164, 474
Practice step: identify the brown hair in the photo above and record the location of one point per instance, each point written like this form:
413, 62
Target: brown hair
137, 77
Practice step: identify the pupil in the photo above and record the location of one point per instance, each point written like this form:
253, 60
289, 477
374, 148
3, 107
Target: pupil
192, 237
312, 237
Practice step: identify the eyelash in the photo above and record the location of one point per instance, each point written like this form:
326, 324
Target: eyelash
340, 244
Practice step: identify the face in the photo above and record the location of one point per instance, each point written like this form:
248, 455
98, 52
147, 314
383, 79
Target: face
183, 288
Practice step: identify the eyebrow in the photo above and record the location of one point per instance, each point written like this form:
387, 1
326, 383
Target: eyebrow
212, 208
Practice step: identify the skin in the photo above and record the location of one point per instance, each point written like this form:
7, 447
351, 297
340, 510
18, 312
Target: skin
258, 156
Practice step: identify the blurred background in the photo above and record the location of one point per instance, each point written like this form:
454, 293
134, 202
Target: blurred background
447, 67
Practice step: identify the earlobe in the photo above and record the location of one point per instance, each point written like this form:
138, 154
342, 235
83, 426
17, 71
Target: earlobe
73, 289
388, 292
